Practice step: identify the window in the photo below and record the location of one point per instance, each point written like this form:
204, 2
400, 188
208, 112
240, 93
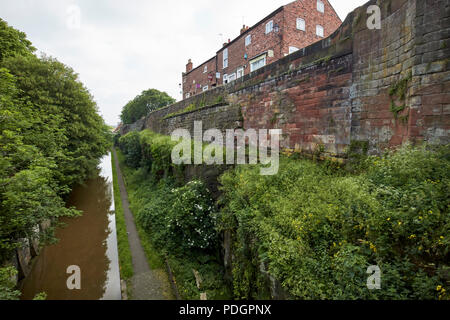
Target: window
301, 24
320, 6
319, 31
269, 27
225, 78
240, 72
205, 88
188, 95
231, 77
225, 58
257, 63
248, 40
205, 69
292, 49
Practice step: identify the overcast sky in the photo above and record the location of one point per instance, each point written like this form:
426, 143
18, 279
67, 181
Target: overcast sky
121, 47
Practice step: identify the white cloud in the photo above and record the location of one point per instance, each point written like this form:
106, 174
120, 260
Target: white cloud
125, 46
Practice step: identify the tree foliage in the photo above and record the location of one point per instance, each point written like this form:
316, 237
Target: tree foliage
51, 138
141, 105
13, 42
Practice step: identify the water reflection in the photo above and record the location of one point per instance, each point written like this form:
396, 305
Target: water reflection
88, 241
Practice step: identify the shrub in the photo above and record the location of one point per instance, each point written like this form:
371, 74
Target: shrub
130, 145
7, 286
317, 231
191, 219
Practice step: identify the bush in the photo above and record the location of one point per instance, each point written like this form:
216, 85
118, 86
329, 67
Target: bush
130, 145
7, 286
191, 219
317, 231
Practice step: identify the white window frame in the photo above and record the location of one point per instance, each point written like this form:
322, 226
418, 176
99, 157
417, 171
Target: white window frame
225, 58
293, 49
301, 24
248, 40
269, 27
231, 77
320, 31
257, 60
240, 72
225, 78
205, 88
320, 6
205, 69
188, 95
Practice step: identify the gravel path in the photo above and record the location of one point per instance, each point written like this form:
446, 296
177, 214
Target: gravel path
146, 284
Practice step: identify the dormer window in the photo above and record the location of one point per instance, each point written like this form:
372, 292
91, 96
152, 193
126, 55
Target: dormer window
205, 69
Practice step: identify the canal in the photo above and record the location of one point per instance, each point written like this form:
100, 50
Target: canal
88, 242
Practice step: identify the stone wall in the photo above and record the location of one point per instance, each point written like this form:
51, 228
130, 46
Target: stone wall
382, 87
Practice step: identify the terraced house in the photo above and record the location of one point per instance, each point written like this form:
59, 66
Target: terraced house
284, 31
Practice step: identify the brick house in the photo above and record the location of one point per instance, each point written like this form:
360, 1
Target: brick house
284, 31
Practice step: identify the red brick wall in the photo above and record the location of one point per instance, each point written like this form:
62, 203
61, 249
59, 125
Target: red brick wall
261, 42
200, 77
278, 43
307, 10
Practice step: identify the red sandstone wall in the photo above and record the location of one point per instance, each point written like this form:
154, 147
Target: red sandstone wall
337, 90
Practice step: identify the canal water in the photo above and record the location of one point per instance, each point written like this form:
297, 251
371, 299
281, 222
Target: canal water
88, 242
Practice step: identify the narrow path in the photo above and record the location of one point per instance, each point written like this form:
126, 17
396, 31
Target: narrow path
147, 284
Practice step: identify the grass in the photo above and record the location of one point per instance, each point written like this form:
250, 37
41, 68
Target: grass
125, 262
154, 259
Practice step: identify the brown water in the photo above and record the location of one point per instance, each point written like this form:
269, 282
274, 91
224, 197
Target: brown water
88, 241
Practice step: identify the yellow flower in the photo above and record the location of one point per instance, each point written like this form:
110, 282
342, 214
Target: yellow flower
399, 223
420, 248
430, 212
388, 219
439, 288
442, 237
412, 236
420, 218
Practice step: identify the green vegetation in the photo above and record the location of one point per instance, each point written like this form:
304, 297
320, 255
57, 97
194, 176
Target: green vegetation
7, 285
176, 220
398, 91
313, 227
126, 265
51, 138
148, 101
317, 230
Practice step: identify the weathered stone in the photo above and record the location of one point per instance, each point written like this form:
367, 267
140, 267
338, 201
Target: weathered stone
24, 258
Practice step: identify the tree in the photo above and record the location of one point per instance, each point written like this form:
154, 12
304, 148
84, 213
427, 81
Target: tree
13, 42
67, 127
147, 101
51, 137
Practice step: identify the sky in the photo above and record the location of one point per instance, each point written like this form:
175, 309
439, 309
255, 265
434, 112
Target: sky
121, 47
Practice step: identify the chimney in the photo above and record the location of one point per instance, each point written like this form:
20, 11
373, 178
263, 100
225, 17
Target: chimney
189, 66
244, 28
